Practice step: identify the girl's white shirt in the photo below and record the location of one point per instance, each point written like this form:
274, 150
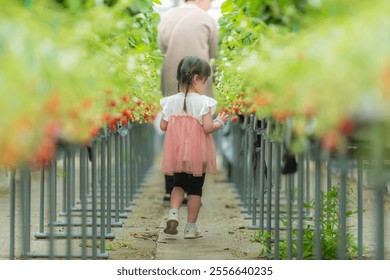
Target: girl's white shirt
197, 105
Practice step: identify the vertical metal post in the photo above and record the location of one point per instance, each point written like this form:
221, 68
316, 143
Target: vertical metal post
300, 206
121, 175
262, 177
25, 223
65, 178
94, 198
131, 163
116, 177
102, 195
109, 181
73, 165
127, 171
380, 228
42, 202
245, 174
360, 207
289, 180
379, 183
52, 205
69, 203
329, 173
135, 157
329, 178
342, 238
83, 199
269, 190
28, 212
308, 175
12, 215
249, 165
87, 174
256, 173
317, 210
277, 201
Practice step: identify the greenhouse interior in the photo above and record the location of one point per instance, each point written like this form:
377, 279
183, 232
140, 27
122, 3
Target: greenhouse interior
295, 134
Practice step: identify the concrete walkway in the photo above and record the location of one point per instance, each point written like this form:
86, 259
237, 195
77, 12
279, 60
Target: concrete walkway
225, 232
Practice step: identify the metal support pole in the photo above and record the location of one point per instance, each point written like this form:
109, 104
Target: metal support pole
103, 201
360, 207
121, 175
277, 201
307, 177
329, 174
127, 172
116, 177
109, 181
73, 177
52, 205
65, 178
300, 206
380, 227
342, 238
83, 199
269, 190
317, 210
249, 193
131, 163
69, 203
289, 180
42, 202
94, 203
12, 215
262, 178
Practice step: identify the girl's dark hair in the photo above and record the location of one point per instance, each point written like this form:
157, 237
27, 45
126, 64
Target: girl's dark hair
188, 67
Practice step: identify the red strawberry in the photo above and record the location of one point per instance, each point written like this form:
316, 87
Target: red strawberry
330, 141
113, 103
234, 118
347, 126
126, 113
124, 120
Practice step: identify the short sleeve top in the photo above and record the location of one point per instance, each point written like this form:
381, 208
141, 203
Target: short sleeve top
197, 105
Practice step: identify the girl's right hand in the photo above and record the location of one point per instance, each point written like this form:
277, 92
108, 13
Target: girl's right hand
223, 116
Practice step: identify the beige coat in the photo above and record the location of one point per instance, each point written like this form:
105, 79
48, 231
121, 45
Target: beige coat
185, 30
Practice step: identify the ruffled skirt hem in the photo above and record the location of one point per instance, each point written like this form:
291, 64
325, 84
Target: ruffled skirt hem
187, 148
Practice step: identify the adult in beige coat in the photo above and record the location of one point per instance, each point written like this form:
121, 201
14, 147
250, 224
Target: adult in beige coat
186, 30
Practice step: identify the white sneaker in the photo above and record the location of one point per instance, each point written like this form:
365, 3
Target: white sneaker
172, 223
192, 233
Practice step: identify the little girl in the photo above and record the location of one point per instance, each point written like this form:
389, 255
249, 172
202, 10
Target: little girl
189, 149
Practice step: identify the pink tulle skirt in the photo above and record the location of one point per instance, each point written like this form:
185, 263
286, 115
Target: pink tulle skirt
187, 148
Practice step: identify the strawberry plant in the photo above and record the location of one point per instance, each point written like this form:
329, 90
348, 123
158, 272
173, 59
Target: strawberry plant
66, 75
314, 65
242, 29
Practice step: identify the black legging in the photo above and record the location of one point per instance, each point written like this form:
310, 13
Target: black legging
169, 182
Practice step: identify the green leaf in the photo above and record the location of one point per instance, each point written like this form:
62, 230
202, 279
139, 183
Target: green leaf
227, 7
157, 2
145, 38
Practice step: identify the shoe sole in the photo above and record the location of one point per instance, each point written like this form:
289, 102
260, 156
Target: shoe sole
192, 237
171, 227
